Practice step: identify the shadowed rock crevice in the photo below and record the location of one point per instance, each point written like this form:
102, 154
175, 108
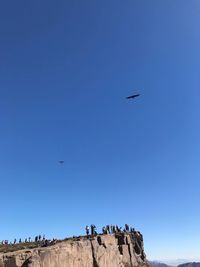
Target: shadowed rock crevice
129, 248
120, 238
27, 262
129, 251
137, 248
120, 249
143, 256
100, 242
10, 262
95, 264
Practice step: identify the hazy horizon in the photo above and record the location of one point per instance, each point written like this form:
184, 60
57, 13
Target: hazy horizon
176, 262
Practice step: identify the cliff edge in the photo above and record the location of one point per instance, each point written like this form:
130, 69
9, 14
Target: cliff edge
116, 250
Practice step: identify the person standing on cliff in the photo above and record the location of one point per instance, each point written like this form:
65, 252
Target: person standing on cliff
87, 230
95, 230
108, 229
117, 229
111, 229
104, 230
92, 229
126, 227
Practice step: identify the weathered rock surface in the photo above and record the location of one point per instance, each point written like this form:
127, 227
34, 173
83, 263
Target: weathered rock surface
119, 250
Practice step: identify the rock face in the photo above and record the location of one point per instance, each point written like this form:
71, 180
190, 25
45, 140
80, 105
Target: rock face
119, 250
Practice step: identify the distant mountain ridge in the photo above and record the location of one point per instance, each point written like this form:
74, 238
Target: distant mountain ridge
190, 264
161, 264
158, 264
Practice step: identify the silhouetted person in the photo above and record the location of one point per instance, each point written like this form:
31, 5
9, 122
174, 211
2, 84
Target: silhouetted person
108, 229
95, 230
92, 229
20, 241
87, 230
111, 229
126, 228
104, 230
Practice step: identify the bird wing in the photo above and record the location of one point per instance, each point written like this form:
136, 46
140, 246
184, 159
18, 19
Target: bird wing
132, 96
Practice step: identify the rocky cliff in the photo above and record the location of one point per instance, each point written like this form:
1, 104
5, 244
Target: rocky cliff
117, 250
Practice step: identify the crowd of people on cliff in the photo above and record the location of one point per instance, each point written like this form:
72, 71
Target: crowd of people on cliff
109, 229
40, 240
90, 230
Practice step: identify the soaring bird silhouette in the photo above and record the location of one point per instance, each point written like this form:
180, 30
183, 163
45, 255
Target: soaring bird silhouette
132, 96
61, 161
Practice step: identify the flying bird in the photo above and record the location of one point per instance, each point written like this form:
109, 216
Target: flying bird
132, 96
61, 161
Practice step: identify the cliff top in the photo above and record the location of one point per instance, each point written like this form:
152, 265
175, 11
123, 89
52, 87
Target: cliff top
123, 249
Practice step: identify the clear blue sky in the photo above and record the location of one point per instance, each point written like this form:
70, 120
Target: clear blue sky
65, 70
